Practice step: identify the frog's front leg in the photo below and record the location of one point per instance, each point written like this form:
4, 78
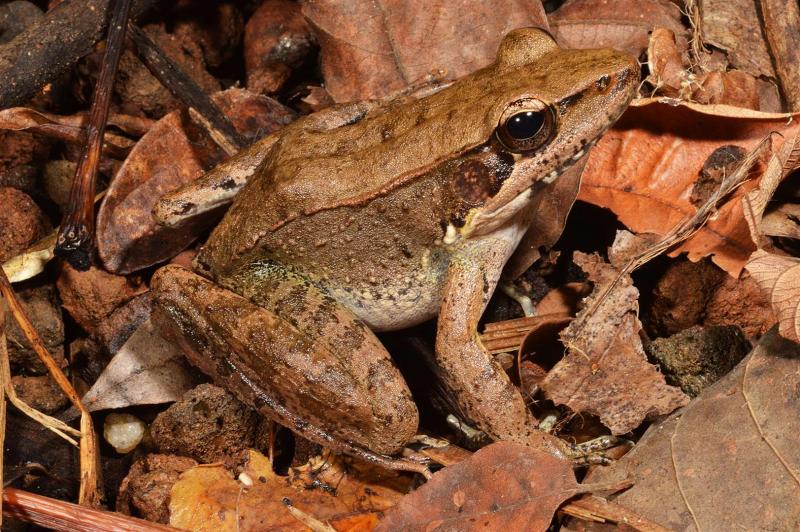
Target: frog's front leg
297, 356
482, 387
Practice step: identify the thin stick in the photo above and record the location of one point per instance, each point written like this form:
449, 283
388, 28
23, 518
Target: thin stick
76, 237
89, 493
187, 91
3, 353
60, 515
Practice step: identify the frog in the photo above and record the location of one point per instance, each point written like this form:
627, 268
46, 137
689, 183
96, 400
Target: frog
377, 216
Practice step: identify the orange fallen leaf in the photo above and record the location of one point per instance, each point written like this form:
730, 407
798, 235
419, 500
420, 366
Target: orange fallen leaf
345, 493
646, 168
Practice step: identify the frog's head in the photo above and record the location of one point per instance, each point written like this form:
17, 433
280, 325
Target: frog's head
548, 106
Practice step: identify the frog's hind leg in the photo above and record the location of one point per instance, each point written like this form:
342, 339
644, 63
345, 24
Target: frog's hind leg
297, 356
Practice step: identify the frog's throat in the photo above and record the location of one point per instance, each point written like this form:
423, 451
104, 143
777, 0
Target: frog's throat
481, 222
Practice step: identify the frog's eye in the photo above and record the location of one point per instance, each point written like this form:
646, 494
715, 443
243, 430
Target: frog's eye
526, 126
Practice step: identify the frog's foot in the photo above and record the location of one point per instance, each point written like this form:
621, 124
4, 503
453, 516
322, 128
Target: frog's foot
297, 357
592, 452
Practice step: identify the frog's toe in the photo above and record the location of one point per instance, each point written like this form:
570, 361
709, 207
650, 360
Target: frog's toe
592, 452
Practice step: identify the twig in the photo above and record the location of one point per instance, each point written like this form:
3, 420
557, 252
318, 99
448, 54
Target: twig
3, 354
188, 91
598, 510
56, 425
76, 236
51, 46
64, 516
89, 493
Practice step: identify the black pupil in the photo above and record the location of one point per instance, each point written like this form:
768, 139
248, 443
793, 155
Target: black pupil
523, 126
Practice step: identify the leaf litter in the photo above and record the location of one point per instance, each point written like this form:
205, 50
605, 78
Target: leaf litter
657, 171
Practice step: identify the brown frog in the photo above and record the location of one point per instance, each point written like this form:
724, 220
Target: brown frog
377, 216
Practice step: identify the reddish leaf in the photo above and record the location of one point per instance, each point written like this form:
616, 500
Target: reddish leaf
504, 486
374, 49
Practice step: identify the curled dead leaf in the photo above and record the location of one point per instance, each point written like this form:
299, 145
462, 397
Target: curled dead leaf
779, 277
605, 371
504, 486
145, 371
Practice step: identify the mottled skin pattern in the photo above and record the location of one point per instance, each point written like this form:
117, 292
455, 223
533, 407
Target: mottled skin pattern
377, 217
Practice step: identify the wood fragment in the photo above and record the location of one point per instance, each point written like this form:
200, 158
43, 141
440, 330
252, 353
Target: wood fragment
184, 88
51, 47
781, 24
75, 241
65, 516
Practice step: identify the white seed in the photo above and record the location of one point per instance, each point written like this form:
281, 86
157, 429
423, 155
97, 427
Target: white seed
123, 431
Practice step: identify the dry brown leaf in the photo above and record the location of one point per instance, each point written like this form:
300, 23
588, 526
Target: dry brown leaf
605, 371
504, 486
779, 278
374, 49
345, 493
622, 24
646, 168
778, 167
729, 460
733, 26
147, 370
672, 74
167, 157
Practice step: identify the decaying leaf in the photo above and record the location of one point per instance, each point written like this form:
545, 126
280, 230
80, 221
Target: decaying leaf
623, 24
504, 486
145, 371
605, 371
725, 461
733, 26
672, 74
336, 490
171, 154
779, 277
374, 49
756, 201
647, 168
